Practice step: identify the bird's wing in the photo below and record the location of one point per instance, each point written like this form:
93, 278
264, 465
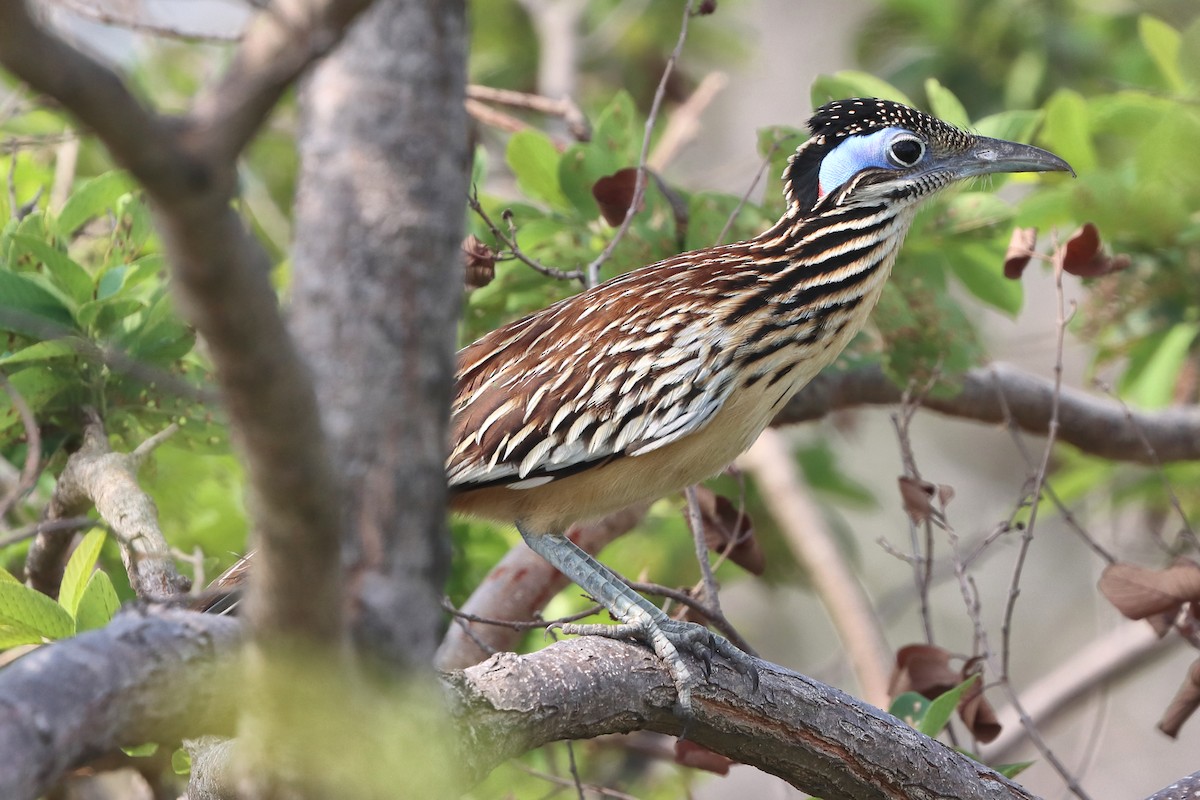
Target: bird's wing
617, 371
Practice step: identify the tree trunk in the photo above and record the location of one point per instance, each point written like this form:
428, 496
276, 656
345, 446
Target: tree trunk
379, 220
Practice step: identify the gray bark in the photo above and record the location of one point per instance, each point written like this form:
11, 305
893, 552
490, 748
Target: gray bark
379, 220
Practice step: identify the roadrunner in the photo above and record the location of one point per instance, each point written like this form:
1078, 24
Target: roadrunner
659, 378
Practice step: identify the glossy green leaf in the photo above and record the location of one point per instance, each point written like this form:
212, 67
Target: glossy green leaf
79, 569
91, 199
28, 308
97, 604
17, 635
1066, 130
534, 160
41, 351
37, 385
1163, 43
944, 105
23, 607
909, 707
1154, 368
617, 130
942, 708
72, 279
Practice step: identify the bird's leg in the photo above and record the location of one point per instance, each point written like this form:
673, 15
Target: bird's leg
641, 618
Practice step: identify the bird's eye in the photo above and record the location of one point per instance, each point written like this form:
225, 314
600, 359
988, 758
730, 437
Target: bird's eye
906, 152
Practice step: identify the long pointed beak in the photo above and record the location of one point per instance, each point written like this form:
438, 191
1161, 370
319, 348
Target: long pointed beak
987, 156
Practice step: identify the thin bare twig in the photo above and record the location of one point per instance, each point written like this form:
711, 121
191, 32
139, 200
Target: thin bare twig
33, 447
714, 615
639, 186
563, 107
48, 526
510, 242
695, 524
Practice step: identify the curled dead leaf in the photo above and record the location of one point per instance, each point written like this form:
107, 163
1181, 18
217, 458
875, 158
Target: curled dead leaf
924, 669
917, 498
1083, 254
1184, 704
1020, 251
1142, 593
479, 261
727, 527
690, 754
614, 194
974, 709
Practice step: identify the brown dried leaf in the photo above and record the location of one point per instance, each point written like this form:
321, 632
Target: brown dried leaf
1184, 704
480, 262
974, 709
924, 669
1083, 254
724, 523
917, 497
1020, 251
614, 194
706, 7
690, 754
1139, 593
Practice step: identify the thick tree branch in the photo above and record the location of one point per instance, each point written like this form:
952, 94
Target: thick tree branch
150, 676
96, 476
811, 735
1096, 426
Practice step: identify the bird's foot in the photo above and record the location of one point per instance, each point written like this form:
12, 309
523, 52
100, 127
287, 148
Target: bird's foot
668, 637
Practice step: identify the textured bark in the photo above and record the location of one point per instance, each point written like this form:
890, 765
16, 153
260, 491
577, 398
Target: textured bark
999, 392
147, 677
379, 219
813, 736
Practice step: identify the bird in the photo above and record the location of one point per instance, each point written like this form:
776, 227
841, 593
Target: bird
659, 378
654, 380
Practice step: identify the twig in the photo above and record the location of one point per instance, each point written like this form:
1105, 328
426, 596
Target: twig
810, 541
603, 791
518, 625
684, 122
639, 186
1035, 737
510, 241
104, 17
745, 198
564, 107
714, 615
48, 526
33, 447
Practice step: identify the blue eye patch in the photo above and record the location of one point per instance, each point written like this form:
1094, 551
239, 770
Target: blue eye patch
890, 148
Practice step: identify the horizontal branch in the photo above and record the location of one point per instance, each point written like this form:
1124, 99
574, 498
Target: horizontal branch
1097, 426
150, 676
816, 737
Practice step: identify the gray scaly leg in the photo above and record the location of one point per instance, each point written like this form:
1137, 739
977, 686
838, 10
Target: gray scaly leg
642, 619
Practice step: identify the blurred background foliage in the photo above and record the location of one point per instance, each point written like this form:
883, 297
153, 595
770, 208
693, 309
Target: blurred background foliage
85, 318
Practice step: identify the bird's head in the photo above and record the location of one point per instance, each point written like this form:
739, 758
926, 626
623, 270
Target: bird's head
866, 150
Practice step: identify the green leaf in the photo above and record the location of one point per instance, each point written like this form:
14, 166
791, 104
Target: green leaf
909, 707
141, 750
532, 158
29, 309
1067, 131
942, 708
1014, 769
90, 199
981, 270
79, 569
23, 607
181, 762
1163, 43
1154, 367
7, 577
37, 386
945, 105
616, 130
852, 83
17, 635
1017, 125
97, 604
41, 351
74, 281
125, 276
